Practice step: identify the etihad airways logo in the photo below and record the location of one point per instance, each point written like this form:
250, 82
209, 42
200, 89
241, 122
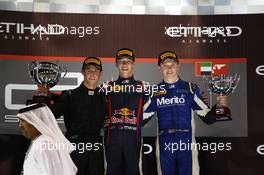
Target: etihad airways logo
202, 34
212, 32
170, 101
22, 31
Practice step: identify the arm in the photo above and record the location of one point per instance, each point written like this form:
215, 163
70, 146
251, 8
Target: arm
149, 109
103, 90
200, 106
60, 103
57, 103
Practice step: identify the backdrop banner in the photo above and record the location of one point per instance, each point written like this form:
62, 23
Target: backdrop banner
211, 45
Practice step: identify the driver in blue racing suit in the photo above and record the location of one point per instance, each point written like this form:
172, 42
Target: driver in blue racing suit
175, 103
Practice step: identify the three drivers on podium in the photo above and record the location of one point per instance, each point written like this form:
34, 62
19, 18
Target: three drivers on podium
88, 108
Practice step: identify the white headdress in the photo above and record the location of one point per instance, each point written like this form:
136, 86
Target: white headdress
41, 117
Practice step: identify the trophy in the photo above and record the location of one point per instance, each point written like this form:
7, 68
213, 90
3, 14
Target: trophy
47, 74
222, 85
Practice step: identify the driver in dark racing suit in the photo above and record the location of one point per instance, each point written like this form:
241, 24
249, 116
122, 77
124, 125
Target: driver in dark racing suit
122, 138
84, 111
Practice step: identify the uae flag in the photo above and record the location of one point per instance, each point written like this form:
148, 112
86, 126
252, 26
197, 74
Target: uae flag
203, 68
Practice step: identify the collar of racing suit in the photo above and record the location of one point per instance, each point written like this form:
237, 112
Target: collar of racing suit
126, 80
84, 88
169, 85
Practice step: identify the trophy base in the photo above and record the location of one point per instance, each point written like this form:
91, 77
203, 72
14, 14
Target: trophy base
222, 114
39, 99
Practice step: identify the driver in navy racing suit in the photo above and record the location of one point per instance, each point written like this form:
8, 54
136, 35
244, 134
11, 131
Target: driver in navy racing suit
175, 104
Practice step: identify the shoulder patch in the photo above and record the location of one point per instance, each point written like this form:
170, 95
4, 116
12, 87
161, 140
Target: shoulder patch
159, 93
105, 85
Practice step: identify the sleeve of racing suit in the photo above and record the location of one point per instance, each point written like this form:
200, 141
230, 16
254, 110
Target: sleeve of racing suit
149, 109
104, 89
146, 91
60, 105
200, 106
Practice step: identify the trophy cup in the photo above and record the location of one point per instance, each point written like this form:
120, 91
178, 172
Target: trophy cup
222, 85
46, 74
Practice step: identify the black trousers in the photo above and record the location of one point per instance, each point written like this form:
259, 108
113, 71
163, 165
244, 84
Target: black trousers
89, 156
123, 153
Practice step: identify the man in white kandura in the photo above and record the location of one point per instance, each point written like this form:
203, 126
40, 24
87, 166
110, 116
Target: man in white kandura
49, 151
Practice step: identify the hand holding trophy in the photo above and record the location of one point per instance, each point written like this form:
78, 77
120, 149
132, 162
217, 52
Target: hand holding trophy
222, 85
46, 75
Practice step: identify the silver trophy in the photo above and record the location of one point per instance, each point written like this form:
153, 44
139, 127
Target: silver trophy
47, 74
222, 85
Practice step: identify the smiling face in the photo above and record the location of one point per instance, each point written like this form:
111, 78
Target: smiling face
91, 76
169, 70
125, 67
28, 130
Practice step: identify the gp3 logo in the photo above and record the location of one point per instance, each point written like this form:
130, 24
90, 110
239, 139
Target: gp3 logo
260, 70
11, 104
260, 150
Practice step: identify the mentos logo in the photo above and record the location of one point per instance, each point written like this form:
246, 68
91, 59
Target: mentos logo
170, 101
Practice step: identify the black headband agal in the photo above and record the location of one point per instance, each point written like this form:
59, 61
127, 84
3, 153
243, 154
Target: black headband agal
29, 108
